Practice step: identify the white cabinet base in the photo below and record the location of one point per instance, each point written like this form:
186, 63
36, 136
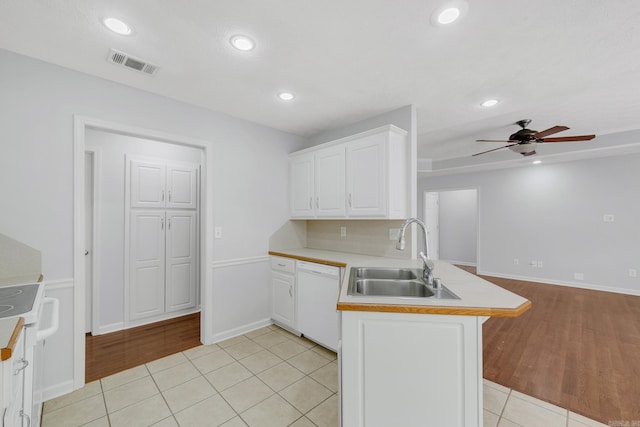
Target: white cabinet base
411, 370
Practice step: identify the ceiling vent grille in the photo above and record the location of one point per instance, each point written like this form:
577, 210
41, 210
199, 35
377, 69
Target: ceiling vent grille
132, 63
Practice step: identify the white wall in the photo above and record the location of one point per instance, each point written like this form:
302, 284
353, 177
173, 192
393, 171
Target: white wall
37, 106
458, 216
554, 213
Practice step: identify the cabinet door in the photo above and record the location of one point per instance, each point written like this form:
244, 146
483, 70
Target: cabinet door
147, 184
329, 182
283, 299
366, 177
181, 260
182, 187
301, 186
147, 263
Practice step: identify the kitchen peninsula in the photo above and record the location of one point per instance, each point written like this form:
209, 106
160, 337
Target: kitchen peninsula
413, 361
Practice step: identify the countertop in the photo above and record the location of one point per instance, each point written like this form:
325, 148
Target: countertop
10, 329
478, 297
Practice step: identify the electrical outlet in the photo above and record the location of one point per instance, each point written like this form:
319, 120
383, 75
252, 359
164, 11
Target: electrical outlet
633, 272
217, 231
343, 231
540, 264
578, 276
533, 263
516, 261
393, 233
608, 218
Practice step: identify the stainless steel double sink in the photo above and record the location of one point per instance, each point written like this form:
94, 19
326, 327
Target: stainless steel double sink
393, 282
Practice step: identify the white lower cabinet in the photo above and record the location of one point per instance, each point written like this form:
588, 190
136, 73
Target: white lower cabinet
283, 293
411, 370
12, 399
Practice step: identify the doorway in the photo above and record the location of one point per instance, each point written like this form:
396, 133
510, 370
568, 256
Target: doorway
451, 217
81, 125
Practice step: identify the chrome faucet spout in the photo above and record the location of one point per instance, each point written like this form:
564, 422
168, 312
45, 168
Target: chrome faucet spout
427, 272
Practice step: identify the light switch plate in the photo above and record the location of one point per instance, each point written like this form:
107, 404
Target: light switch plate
217, 231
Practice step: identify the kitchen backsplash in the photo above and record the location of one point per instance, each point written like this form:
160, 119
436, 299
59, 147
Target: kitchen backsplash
368, 237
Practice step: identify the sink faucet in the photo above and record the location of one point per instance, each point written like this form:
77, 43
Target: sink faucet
427, 272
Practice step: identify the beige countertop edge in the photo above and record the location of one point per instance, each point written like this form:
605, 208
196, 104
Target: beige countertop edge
478, 297
10, 330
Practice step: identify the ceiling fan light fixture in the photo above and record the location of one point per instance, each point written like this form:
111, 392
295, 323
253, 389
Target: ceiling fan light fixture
117, 26
537, 162
490, 103
243, 43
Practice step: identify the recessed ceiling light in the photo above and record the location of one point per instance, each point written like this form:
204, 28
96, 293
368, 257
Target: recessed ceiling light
243, 43
448, 15
117, 26
490, 103
449, 12
537, 162
286, 96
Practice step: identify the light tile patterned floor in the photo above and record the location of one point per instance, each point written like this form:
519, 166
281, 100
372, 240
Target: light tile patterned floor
266, 378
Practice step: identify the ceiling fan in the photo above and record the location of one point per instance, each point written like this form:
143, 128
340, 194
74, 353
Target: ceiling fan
525, 140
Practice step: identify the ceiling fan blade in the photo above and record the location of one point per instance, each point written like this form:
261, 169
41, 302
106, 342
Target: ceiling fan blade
529, 153
494, 140
569, 138
550, 131
499, 148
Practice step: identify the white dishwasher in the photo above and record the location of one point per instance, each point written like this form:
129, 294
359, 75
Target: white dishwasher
318, 289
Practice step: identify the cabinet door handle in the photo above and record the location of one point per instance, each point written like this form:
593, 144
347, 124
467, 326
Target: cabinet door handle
169, 192
349, 199
24, 362
310, 202
291, 291
281, 265
168, 223
162, 223
162, 196
318, 202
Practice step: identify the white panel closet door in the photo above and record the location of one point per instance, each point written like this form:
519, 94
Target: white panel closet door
181, 260
147, 267
147, 184
182, 187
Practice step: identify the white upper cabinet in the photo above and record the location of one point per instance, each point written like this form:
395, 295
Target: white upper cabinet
160, 185
301, 180
147, 184
181, 186
329, 182
361, 176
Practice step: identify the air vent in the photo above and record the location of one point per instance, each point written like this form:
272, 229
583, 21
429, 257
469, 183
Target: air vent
132, 63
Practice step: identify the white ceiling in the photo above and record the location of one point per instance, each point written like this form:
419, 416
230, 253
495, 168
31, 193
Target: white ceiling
570, 62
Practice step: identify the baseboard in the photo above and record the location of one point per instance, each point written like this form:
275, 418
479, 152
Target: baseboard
580, 285
241, 330
56, 390
114, 327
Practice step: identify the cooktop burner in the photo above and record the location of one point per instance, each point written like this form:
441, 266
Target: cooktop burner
16, 300
9, 292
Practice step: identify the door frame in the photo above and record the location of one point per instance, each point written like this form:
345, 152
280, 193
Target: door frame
80, 124
96, 154
442, 190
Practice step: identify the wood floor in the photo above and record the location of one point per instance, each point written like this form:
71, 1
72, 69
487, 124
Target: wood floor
575, 348
111, 353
